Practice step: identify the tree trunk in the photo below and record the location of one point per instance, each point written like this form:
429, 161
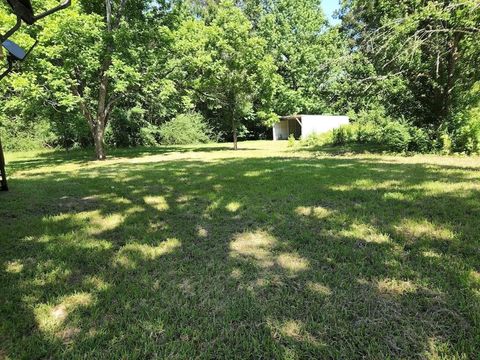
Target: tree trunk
235, 135
98, 135
453, 56
102, 115
235, 140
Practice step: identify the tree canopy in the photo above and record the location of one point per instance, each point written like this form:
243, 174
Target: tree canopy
111, 71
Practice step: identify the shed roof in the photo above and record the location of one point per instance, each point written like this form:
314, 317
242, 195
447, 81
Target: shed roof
291, 117
299, 116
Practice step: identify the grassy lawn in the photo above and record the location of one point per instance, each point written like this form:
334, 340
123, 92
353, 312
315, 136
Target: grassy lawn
268, 252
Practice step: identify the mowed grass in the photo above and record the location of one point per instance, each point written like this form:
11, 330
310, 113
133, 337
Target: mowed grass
267, 252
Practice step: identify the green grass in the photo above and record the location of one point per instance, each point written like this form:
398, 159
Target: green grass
268, 252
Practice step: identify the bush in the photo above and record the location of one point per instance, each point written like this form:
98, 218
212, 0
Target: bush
395, 136
18, 136
125, 127
420, 141
291, 141
72, 131
343, 135
366, 132
149, 135
318, 139
465, 132
446, 143
184, 129
377, 129
375, 116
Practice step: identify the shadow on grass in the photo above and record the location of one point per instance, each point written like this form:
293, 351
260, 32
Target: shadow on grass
347, 149
254, 258
54, 158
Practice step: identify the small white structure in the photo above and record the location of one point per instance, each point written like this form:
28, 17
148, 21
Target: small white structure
303, 125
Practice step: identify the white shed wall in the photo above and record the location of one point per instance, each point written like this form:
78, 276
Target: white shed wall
317, 124
280, 130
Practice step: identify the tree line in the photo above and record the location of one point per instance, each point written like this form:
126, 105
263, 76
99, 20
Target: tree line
118, 72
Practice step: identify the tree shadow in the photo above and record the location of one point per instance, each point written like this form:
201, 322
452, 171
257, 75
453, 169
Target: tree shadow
347, 149
75, 157
335, 257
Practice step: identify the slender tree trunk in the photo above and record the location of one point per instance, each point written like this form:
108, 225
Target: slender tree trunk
235, 140
235, 134
453, 56
102, 112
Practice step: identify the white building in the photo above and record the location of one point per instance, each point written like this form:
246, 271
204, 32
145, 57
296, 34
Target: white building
303, 125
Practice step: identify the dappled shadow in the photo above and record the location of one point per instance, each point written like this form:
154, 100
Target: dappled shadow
338, 257
59, 157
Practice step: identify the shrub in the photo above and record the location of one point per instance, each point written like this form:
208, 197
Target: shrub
71, 130
395, 136
343, 135
291, 140
376, 129
375, 116
150, 135
18, 136
125, 127
318, 139
465, 131
366, 132
184, 129
420, 141
446, 143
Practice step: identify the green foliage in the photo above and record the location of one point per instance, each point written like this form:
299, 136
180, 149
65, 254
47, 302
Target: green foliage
226, 64
16, 136
185, 129
291, 140
375, 128
126, 127
422, 59
150, 135
446, 144
420, 141
343, 135
465, 131
395, 66
316, 139
395, 136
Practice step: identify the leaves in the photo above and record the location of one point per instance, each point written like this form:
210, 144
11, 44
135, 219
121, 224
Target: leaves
241, 64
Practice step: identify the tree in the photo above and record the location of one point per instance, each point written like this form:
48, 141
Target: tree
429, 44
223, 63
123, 67
308, 54
90, 62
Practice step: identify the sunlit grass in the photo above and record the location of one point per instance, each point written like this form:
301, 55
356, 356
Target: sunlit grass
268, 252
